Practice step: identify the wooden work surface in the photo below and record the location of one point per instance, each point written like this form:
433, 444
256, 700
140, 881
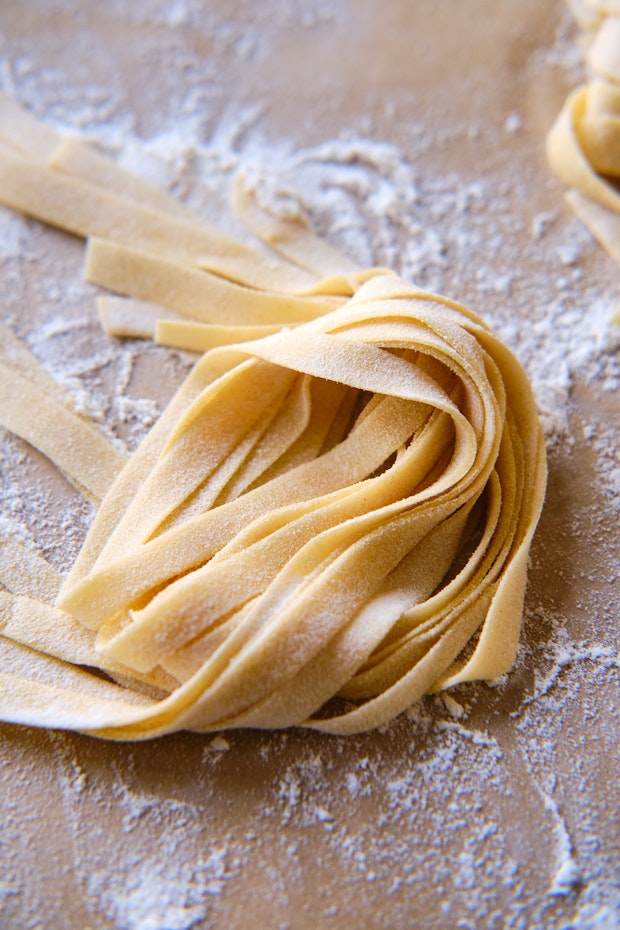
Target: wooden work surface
497, 808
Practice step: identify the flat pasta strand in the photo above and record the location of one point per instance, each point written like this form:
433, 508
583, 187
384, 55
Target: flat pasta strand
81, 451
24, 571
189, 291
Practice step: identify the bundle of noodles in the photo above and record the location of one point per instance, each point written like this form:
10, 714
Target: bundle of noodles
331, 518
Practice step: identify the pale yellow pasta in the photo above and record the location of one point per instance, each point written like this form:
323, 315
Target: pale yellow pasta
79, 160
331, 518
583, 145
292, 238
23, 132
130, 317
24, 571
200, 337
14, 353
603, 223
30, 410
190, 291
138, 319
82, 208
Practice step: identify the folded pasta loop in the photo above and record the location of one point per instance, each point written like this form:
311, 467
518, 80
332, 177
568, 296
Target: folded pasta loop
583, 145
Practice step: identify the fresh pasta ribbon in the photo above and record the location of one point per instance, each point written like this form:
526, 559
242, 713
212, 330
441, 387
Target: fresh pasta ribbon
583, 145
331, 518
33, 407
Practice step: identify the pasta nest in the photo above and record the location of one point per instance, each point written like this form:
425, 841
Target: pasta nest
583, 145
331, 518
332, 511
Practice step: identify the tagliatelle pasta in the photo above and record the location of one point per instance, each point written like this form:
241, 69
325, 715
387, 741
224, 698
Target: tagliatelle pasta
331, 518
33, 407
583, 146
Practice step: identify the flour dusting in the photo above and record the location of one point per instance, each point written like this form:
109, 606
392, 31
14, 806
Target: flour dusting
484, 807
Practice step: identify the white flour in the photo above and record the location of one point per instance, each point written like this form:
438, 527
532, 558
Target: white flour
171, 857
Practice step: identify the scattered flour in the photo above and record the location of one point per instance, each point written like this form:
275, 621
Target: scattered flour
425, 811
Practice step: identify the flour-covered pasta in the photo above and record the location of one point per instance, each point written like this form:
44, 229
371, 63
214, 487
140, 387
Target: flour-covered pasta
331, 518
